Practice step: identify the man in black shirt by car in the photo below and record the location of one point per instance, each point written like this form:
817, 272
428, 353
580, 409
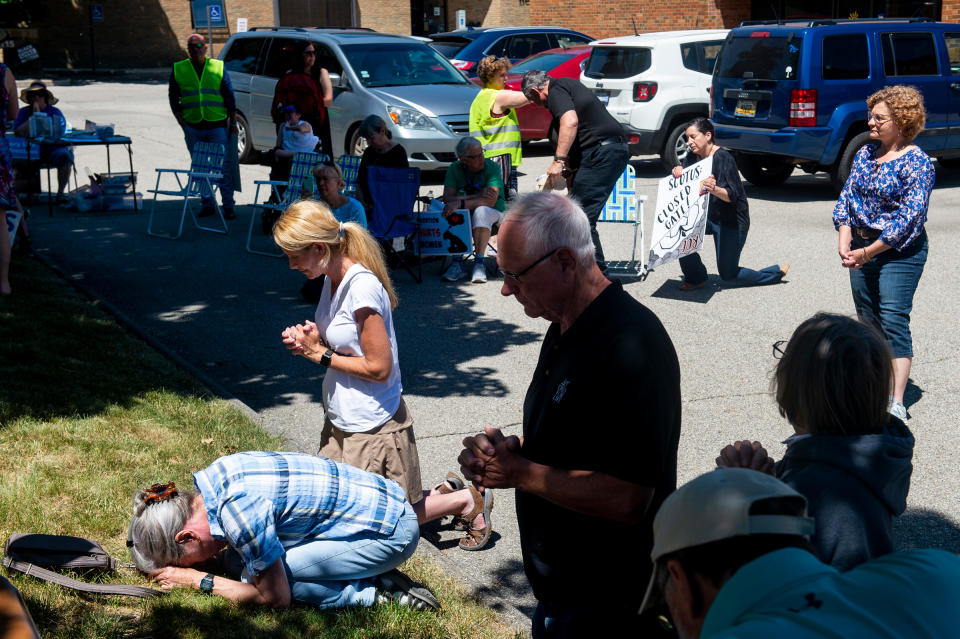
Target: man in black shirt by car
601, 424
589, 143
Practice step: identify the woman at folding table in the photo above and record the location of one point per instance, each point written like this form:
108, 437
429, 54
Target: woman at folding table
39, 99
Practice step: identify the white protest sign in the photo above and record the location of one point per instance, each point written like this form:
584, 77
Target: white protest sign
681, 216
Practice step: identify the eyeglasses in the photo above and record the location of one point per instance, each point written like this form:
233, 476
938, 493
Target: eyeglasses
778, 347
309, 52
472, 156
197, 45
516, 276
878, 118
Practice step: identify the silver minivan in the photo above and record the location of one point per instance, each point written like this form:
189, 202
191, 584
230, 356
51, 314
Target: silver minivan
423, 99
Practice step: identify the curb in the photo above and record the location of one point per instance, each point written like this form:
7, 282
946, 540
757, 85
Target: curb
500, 606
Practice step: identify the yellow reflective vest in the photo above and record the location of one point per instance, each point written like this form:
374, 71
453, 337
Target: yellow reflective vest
200, 97
499, 136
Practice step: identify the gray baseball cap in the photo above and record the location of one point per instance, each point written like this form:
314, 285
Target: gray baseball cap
717, 506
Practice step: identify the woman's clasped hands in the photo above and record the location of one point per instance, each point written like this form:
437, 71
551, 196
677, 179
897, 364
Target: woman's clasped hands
303, 339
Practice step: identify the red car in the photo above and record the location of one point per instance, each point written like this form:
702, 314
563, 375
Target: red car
535, 121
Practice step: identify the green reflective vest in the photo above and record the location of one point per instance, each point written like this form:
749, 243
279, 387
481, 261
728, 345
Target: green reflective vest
499, 136
200, 97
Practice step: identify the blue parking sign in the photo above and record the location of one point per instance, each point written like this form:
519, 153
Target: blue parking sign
96, 12
208, 13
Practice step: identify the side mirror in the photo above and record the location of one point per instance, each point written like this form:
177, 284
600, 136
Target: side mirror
337, 81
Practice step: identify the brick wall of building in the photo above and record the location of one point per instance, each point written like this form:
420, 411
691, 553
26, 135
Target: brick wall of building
655, 15
134, 33
388, 16
950, 11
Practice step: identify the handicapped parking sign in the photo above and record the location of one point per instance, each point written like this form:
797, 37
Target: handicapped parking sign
208, 13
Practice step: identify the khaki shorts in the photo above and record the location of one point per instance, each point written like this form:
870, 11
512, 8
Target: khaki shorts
389, 450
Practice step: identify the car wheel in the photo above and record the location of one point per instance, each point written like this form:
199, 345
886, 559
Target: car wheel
675, 148
763, 170
358, 143
244, 143
841, 170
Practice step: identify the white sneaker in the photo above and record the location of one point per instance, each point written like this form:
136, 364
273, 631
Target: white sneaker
898, 410
396, 586
454, 272
479, 273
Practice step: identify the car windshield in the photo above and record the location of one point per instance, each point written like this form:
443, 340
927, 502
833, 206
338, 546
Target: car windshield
617, 62
760, 58
393, 64
541, 62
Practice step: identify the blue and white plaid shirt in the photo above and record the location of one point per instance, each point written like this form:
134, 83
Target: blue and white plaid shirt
263, 502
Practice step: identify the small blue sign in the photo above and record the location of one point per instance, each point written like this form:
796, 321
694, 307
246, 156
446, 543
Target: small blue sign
208, 13
96, 12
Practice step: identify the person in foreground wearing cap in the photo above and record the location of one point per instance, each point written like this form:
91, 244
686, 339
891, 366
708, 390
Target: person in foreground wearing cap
733, 559
202, 100
601, 425
39, 99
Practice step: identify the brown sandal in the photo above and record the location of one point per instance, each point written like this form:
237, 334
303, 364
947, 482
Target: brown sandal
451, 484
477, 538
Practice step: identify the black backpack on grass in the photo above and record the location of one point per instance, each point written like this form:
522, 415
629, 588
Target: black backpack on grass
32, 554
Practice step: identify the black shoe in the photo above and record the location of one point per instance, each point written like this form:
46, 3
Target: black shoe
207, 211
229, 213
396, 586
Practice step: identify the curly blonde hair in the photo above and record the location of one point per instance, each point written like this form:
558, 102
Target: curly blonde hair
490, 66
906, 108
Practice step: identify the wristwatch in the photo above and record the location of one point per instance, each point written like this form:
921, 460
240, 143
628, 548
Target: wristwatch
559, 158
206, 584
326, 358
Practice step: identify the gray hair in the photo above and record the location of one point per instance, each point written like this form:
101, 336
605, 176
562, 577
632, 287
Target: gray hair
373, 123
465, 144
151, 537
533, 80
551, 221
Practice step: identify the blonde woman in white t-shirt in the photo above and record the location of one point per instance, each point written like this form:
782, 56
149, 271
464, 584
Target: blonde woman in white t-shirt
367, 423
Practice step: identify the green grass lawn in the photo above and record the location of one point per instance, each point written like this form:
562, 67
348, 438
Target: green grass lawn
89, 413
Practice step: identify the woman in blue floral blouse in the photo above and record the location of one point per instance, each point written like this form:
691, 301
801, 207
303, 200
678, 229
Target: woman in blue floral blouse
880, 218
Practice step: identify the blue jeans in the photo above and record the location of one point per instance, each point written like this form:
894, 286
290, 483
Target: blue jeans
883, 291
217, 135
728, 243
337, 573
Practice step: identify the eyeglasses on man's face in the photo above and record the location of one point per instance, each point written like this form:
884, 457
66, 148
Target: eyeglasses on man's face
516, 276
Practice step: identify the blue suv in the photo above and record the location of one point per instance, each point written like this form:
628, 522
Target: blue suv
466, 48
788, 94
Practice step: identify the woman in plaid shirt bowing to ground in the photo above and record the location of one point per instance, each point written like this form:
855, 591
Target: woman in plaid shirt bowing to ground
306, 529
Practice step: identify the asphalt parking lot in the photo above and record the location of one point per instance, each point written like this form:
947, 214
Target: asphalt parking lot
467, 353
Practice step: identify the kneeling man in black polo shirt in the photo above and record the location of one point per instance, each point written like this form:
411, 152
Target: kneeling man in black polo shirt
601, 423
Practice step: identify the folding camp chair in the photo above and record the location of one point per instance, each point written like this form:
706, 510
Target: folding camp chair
625, 206
350, 167
394, 194
206, 170
300, 167
505, 164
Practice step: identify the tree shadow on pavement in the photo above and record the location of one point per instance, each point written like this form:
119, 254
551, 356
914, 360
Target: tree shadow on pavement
507, 583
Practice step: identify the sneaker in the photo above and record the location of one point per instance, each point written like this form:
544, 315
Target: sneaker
479, 273
455, 272
898, 410
396, 586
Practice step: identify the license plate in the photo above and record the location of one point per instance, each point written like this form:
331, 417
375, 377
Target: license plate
604, 97
746, 108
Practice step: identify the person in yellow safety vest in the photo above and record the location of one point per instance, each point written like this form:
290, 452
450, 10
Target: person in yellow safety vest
202, 100
493, 116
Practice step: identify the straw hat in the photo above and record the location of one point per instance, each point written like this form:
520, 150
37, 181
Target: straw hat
34, 88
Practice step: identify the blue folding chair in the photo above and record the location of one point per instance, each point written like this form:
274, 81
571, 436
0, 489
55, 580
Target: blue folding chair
625, 206
394, 193
350, 167
300, 167
206, 170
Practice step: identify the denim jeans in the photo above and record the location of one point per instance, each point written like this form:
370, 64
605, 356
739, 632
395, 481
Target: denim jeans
337, 573
883, 291
217, 135
728, 243
600, 168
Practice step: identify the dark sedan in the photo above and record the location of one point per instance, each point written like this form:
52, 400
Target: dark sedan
466, 48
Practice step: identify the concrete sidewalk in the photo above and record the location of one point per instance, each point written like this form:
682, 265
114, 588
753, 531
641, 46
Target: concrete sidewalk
467, 353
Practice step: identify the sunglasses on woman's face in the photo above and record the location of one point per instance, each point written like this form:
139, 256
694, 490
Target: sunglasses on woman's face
309, 52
